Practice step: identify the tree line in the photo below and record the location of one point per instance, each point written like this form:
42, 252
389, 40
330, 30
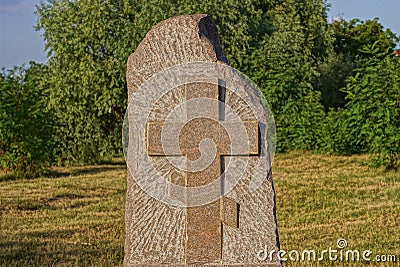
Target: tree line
333, 87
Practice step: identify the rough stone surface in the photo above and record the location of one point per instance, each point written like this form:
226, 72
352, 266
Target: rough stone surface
228, 231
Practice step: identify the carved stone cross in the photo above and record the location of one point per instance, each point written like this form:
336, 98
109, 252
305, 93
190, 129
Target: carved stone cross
204, 225
173, 150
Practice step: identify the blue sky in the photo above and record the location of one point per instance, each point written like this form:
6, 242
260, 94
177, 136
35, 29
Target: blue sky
20, 43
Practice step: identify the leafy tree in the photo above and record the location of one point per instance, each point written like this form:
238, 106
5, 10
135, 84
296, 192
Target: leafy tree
285, 68
89, 42
317, 32
87, 79
352, 37
25, 121
280, 44
373, 109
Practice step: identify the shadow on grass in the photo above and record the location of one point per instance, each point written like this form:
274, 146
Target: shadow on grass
10, 177
60, 172
76, 171
115, 164
47, 248
59, 201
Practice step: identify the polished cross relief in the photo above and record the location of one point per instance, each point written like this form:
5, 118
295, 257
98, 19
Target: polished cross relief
203, 142
199, 141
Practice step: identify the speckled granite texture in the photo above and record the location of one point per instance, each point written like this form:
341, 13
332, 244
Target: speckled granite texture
229, 231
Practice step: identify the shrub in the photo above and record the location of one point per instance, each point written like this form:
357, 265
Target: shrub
25, 124
373, 95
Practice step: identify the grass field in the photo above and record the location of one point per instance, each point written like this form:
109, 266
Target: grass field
75, 217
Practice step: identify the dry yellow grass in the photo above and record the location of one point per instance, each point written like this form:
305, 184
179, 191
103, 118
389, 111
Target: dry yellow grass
321, 199
73, 219
76, 217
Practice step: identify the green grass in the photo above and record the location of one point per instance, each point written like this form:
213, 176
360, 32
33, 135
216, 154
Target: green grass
323, 198
75, 217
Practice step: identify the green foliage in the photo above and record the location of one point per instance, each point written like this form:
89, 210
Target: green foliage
374, 105
352, 37
333, 73
285, 46
89, 42
242, 25
284, 67
25, 122
340, 133
87, 80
